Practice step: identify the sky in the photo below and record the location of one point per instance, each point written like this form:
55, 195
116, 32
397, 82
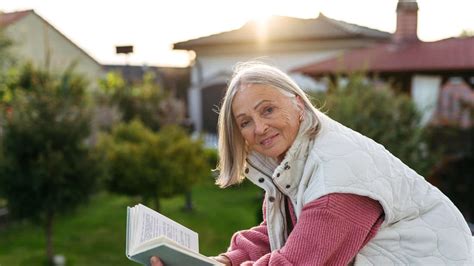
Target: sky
152, 26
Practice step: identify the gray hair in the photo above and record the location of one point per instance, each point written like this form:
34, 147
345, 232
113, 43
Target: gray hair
232, 148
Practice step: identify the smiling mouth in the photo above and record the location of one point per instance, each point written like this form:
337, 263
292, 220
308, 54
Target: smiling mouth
268, 141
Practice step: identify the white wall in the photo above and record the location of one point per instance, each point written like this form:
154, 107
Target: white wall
211, 65
425, 92
194, 107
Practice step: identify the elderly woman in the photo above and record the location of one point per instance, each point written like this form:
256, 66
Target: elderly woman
332, 195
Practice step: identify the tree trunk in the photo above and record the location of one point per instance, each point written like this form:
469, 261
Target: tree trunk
49, 237
188, 202
157, 203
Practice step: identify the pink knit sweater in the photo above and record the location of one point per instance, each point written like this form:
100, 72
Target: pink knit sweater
330, 231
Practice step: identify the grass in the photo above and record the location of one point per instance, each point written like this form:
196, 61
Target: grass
95, 233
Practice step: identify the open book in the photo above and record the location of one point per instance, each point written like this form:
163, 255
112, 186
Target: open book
150, 233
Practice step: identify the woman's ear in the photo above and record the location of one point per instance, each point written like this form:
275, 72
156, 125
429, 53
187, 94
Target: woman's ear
300, 103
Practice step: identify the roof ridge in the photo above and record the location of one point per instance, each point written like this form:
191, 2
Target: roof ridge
19, 13
349, 27
16, 11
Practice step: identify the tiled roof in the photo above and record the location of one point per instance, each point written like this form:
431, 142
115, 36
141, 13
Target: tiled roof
280, 28
453, 54
9, 18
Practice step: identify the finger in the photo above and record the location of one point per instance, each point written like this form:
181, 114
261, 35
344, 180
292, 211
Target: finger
155, 261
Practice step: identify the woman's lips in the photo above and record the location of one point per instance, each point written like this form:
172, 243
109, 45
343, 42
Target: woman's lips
268, 141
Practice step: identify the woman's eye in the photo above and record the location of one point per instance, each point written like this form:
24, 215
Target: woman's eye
244, 124
268, 110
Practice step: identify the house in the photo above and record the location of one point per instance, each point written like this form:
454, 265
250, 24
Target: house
283, 41
439, 75
36, 40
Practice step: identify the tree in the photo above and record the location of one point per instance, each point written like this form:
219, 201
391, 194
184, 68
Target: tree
47, 168
152, 165
383, 114
190, 159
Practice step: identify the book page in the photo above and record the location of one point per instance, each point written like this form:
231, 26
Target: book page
151, 224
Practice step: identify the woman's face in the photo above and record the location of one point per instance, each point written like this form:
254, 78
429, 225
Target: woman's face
268, 120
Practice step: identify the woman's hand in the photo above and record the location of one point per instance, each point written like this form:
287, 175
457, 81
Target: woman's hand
155, 261
222, 259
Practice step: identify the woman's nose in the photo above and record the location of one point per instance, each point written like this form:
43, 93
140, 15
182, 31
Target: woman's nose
260, 126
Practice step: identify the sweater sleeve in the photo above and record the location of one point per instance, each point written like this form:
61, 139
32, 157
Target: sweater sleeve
330, 231
249, 245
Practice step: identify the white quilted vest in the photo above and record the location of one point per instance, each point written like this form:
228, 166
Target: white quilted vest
422, 226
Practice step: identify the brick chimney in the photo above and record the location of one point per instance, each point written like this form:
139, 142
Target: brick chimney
407, 21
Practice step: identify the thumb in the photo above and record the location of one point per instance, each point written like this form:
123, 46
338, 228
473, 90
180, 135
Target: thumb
155, 261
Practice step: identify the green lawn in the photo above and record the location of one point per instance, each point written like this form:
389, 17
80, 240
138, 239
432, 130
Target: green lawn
95, 233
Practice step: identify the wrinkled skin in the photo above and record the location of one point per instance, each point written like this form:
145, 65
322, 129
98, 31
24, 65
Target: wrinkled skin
268, 119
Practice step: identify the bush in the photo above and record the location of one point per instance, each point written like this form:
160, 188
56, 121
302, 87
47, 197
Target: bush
453, 174
152, 165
